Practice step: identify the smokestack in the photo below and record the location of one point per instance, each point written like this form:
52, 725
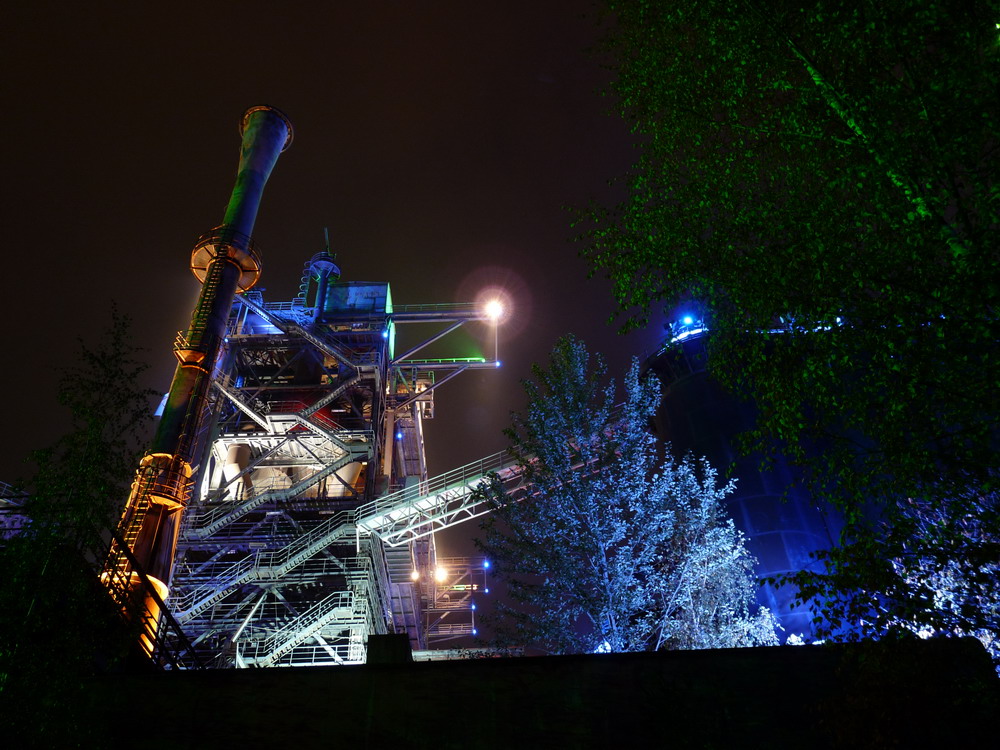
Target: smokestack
225, 261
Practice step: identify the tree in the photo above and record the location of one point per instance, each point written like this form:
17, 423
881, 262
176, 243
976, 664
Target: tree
56, 626
611, 546
943, 577
822, 179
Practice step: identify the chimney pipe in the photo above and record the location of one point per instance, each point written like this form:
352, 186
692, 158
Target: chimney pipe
225, 261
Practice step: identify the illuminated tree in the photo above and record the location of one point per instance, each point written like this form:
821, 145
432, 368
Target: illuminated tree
930, 569
822, 179
613, 547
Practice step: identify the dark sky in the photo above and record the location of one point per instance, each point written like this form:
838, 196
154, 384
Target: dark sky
439, 141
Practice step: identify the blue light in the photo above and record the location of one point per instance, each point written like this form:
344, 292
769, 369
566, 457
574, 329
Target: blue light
687, 320
385, 334
498, 363
399, 436
486, 564
473, 606
487, 591
475, 632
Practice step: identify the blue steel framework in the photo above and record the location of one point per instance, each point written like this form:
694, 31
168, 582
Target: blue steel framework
311, 525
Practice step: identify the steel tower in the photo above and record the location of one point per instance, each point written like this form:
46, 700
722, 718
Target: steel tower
314, 467
139, 565
284, 512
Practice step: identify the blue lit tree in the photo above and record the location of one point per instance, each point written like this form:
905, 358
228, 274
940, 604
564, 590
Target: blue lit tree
612, 546
931, 568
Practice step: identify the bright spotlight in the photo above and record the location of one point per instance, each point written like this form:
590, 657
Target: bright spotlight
440, 575
414, 575
687, 320
494, 309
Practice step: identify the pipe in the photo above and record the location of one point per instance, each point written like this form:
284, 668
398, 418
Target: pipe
324, 266
225, 261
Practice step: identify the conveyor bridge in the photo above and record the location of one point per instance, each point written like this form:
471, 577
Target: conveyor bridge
397, 518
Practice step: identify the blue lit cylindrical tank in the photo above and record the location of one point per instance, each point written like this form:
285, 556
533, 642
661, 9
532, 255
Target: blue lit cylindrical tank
780, 519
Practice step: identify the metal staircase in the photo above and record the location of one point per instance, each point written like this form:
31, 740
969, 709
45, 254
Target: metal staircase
398, 564
241, 402
206, 524
263, 565
339, 607
349, 610
396, 519
329, 397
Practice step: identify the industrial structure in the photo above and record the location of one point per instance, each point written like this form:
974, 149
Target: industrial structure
284, 513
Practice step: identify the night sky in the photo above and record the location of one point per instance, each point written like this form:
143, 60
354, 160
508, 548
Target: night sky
439, 142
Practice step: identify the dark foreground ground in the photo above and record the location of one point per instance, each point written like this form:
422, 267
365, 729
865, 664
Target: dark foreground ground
914, 694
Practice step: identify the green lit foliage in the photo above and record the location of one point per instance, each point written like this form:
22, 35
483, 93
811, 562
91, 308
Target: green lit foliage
612, 546
56, 630
829, 171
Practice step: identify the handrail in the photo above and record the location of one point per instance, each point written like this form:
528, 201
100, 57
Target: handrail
277, 562
290, 325
320, 424
434, 307
198, 598
207, 523
119, 586
461, 476
305, 624
299, 629
240, 400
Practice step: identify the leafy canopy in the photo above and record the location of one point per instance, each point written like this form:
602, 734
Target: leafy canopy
828, 171
57, 627
822, 179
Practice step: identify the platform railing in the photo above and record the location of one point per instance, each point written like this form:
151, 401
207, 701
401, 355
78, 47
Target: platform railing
207, 524
344, 609
243, 402
274, 563
434, 497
